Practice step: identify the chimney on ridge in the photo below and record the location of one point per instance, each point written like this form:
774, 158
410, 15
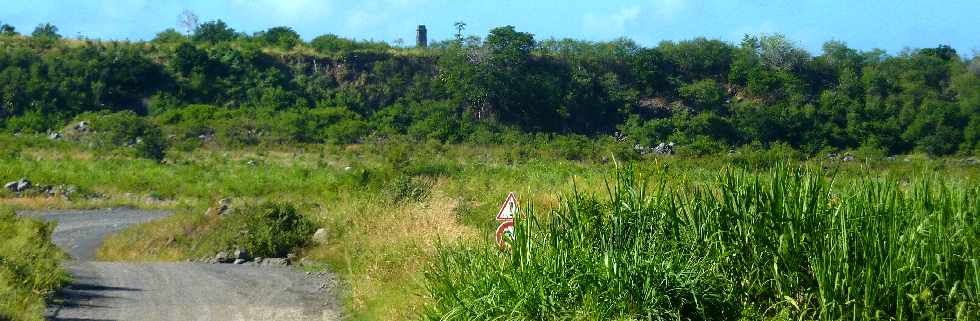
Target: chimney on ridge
421, 37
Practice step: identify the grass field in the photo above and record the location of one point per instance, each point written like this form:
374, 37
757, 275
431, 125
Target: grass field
410, 228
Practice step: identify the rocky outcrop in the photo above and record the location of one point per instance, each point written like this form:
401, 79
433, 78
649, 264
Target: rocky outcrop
18, 186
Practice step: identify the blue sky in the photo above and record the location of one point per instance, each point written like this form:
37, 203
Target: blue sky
864, 24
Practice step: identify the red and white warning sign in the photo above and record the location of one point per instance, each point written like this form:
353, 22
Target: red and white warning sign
508, 209
505, 232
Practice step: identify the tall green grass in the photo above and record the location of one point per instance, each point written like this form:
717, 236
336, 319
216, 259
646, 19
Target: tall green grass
786, 244
30, 267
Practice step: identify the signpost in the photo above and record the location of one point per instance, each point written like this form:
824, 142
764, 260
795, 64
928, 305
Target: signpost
504, 232
508, 208
506, 215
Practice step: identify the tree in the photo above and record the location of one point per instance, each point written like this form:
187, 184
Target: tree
704, 95
46, 31
504, 72
188, 21
169, 36
281, 37
698, 58
651, 70
7, 30
214, 32
508, 47
777, 52
460, 26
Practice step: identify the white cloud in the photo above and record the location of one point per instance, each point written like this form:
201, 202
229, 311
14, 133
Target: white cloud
610, 25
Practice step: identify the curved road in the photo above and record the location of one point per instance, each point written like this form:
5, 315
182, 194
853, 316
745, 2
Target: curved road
175, 291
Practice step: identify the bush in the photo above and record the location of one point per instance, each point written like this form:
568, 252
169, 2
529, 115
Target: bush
270, 229
572, 147
126, 129
30, 267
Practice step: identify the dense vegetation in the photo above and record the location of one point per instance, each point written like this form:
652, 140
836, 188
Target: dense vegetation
30, 267
216, 85
780, 245
387, 204
394, 150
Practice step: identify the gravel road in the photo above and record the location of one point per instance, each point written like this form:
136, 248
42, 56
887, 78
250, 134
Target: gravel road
176, 291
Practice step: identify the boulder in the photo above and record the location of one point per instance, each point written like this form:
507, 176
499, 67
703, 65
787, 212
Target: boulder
223, 205
223, 257
664, 149
82, 126
18, 186
241, 255
639, 148
321, 236
219, 208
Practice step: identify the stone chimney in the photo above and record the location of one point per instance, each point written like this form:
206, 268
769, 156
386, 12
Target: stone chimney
421, 37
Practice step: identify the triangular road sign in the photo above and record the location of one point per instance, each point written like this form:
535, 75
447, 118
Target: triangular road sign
508, 209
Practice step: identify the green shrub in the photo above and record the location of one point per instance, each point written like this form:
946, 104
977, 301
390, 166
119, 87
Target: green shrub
30, 267
269, 229
572, 147
113, 131
700, 147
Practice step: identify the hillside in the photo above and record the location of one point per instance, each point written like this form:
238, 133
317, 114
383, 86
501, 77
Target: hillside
707, 95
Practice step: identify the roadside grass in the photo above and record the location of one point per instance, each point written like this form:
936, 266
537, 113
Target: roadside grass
783, 244
387, 208
30, 267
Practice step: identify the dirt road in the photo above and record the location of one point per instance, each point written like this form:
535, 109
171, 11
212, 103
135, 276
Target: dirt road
176, 291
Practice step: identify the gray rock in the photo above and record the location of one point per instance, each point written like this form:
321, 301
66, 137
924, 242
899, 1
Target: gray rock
223, 257
277, 261
321, 236
848, 158
220, 208
223, 205
54, 136
664, 149
240, 261
971, 161
639, 148
12, 186
82, 126
241, 255
18, 186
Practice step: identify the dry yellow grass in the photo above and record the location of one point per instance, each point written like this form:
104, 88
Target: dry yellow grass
382, 252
